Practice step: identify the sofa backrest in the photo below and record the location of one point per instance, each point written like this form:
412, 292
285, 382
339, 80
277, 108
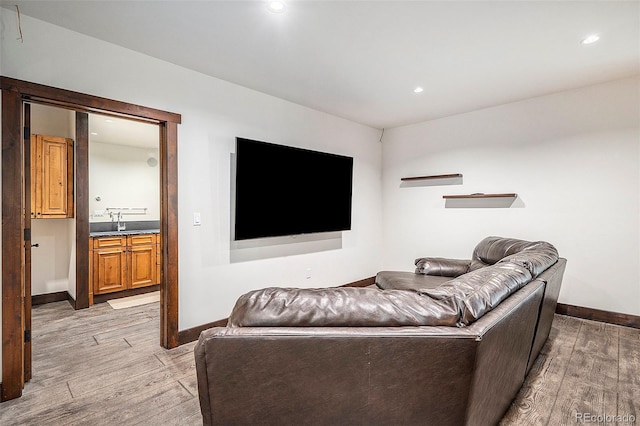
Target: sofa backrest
509, 264
479, 291
536, 256
341, 307
458, 302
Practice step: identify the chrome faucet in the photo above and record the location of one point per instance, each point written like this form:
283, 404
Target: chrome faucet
121, 226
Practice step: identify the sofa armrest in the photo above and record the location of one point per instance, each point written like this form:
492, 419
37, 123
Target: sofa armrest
442, 267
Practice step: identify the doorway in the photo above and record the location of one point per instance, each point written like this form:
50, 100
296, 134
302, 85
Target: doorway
52, 218
16, 307
124, 210
124, 202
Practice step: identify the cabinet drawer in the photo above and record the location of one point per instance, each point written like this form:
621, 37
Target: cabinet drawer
142, 239
108, 242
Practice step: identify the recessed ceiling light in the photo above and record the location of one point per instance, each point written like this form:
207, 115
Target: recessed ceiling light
108, 120
418, 90
276, 6
591, 39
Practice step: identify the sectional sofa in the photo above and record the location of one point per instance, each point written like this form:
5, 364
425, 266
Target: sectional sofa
447, 344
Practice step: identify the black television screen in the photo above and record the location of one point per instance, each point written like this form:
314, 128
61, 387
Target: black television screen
281, 190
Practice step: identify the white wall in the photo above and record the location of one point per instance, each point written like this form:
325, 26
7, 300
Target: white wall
120, 176
213, 112
574, 160
50, 261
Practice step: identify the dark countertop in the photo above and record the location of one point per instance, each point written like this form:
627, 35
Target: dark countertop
125, 232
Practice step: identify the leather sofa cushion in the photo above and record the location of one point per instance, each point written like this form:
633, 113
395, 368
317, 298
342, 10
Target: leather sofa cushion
441, 267
341, 307
492, 249
537, 257
478, 292
404, 280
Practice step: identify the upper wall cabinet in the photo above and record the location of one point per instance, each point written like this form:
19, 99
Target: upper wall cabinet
51, 177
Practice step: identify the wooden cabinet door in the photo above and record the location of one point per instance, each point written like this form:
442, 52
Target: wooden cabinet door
143, 266
109, 270
109, 266
142, 260
52, 176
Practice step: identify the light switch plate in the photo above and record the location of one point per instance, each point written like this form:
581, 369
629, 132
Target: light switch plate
196, 219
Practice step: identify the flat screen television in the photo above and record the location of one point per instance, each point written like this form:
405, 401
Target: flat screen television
282, 190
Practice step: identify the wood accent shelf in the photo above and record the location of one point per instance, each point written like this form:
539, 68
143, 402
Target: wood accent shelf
467, 196
448, 176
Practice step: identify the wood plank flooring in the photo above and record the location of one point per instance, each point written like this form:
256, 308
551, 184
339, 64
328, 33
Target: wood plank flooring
586, 370
100, 366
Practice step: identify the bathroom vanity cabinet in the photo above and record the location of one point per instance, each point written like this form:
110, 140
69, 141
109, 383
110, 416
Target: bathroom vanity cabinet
124, 262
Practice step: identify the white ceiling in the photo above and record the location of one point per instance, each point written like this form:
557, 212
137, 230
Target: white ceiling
120, 131
362, 59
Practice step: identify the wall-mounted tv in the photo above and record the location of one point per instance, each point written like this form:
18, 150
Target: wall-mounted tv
282, 190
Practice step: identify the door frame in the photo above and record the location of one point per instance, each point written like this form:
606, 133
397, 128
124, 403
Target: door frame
14, 94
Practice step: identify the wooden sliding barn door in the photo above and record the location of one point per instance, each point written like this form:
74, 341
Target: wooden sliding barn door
13, 246
28, 207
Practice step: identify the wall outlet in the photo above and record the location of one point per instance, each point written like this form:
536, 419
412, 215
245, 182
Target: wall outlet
98, 213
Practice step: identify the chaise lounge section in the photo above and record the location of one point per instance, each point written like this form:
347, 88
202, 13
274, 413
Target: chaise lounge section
441, 351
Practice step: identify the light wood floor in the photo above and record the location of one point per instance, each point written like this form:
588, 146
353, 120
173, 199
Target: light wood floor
101, 366
586, 368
